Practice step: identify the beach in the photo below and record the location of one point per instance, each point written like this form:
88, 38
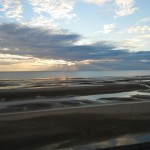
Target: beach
74, 75
72, 126
71, 90
76, 126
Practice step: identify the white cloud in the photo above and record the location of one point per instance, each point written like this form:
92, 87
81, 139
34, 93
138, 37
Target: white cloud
144, 20
124, 8
24, 63
144, 36
135, 44
45, 12
94, 61
131, 42
57, 9
11, 9
108, 28
137, 29
97, 2
41, 21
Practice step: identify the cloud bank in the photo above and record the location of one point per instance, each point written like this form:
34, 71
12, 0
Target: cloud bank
44, 45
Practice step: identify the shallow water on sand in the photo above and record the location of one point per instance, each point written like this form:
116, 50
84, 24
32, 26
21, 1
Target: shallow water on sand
58, 102
68, 101
118, 141
114, 95
124, 140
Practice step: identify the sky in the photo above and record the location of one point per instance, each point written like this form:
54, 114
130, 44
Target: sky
72, 35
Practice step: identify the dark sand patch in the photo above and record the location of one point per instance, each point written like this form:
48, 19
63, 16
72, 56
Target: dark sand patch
78, 126
71, 90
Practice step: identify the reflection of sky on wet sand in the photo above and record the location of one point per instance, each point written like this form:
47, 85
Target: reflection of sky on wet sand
65, 101
119, 141
118, 95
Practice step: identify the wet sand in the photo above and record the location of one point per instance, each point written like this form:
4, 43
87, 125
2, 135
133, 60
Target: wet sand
72, 127
69, 127
9, 94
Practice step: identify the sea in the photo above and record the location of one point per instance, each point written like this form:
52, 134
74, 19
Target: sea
72, 74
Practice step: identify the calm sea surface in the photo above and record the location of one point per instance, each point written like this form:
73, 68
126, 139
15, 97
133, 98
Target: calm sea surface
76, 74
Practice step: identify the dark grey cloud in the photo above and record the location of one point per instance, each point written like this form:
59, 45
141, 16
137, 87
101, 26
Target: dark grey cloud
45, 43
34, 41
23, 40
118, 65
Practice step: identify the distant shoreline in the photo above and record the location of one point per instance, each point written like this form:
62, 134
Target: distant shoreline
72, 74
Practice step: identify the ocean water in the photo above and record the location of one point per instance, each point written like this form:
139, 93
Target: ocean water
74, 74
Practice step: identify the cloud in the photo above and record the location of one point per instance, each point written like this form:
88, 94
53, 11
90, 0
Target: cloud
138, 29
132, 44
128, 61
137, 43
41, 21
109, 28
11, 9
124, 8
60, 9
144, 20
47, 10
12, 62
144, 36
13, 59
37, 47
39, 42
97, 2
